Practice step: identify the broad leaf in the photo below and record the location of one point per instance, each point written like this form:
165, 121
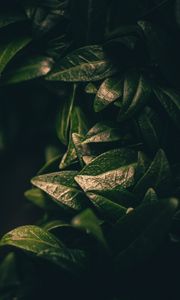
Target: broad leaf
9, 47
102, 133
40, 199
110, 90
31, 69
62, 188
85, 64
43, 244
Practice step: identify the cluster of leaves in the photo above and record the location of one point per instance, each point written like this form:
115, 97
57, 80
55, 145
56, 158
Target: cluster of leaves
109, 200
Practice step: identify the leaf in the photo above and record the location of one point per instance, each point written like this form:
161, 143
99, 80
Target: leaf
63, 121
85, 64
110, 90
91, 88
31, 69
9, 47
38, 198
43, 244
108, 171
8, 272
136, 93
62, 188
157, 176
45, 15
87, 221
150, 128
150, 196
109, 161
102, 133
10, 18
110, 210
169, 99
77, 125
82, 150
142, 165
142, 231
50, 166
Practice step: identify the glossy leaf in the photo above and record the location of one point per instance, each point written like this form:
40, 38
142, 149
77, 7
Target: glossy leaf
102, 133
170, 102
62, 188
31, 69
85, 64
43, 244
110, 90
10, 47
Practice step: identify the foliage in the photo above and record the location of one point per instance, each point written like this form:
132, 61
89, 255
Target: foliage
108, 202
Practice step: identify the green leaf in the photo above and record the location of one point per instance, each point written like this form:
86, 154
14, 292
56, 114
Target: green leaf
169, 99
142, 165
110, 210
108, 171
83, 151
85, 64
88, 222
102, 133
157, 176
136, 93
110, 90
62, 188
110, 161
91, 88
50, 166
142, 231
31, 69
8, 272
64, 117
43, 244
77, 125
9, 47
150, 196
40, 199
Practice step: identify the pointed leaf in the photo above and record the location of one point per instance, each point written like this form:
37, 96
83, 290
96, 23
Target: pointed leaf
84, 64
62, 188
110, 90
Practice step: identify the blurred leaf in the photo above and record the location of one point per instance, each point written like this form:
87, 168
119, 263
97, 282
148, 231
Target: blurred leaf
10, 18
31, 69
88, 221
39, 198
8, 272
157, 176
10, 47
170, 102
